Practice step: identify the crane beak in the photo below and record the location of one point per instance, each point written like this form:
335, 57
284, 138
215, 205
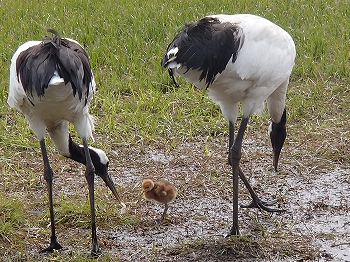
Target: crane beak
172, 75
276, 155
278, 135
166, 61
277, 140
110, 184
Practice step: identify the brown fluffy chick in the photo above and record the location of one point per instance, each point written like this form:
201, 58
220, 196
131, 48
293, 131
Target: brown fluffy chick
159, 191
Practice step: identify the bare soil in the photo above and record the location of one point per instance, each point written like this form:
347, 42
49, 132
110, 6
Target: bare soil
315, 225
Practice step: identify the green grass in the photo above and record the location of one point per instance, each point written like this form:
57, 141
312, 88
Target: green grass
136, 103
12, 216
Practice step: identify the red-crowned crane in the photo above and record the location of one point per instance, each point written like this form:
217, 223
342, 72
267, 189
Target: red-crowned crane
238, 58
52, 84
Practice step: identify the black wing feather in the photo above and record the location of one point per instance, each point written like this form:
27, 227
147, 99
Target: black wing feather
206, 45
37, 65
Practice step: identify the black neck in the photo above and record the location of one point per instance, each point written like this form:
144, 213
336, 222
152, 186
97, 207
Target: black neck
77, 154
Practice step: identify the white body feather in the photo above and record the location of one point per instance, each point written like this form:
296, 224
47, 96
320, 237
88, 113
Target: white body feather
260, 72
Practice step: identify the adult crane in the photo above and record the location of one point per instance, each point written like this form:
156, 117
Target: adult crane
52, 84
238, 58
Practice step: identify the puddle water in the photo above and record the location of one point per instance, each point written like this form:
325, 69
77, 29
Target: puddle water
317, 204
323, 210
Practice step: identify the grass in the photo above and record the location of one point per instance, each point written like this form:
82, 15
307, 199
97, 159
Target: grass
12, 216
137, 106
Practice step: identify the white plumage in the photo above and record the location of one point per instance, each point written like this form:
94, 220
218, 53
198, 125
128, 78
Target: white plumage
63, 105
52, 84
238, 58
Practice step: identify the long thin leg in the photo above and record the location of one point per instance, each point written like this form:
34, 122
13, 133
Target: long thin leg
235, 151
48, 176
235, 155
90, 175
257, 202
231, 135
165, 210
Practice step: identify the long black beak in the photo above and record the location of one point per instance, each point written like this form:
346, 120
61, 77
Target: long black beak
278, 135
172, 75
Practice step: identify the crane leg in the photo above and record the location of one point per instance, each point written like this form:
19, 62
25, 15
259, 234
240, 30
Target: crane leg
48, 176
90, 175
235, 156
235, 146
256, 201
277, 135
231, 136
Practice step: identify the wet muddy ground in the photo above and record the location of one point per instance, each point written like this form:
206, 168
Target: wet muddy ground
314, 227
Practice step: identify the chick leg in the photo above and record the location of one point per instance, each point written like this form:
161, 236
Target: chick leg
166, 206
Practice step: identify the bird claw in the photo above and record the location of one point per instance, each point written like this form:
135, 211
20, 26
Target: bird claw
264, 205
233, 232
96, 253
53, 245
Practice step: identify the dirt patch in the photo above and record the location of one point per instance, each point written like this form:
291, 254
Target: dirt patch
315, 226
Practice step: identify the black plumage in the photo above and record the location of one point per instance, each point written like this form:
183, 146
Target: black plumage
206, 45
52, 84
37, 65
239, 58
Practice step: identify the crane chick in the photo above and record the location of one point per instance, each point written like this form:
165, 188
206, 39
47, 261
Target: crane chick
159, 191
